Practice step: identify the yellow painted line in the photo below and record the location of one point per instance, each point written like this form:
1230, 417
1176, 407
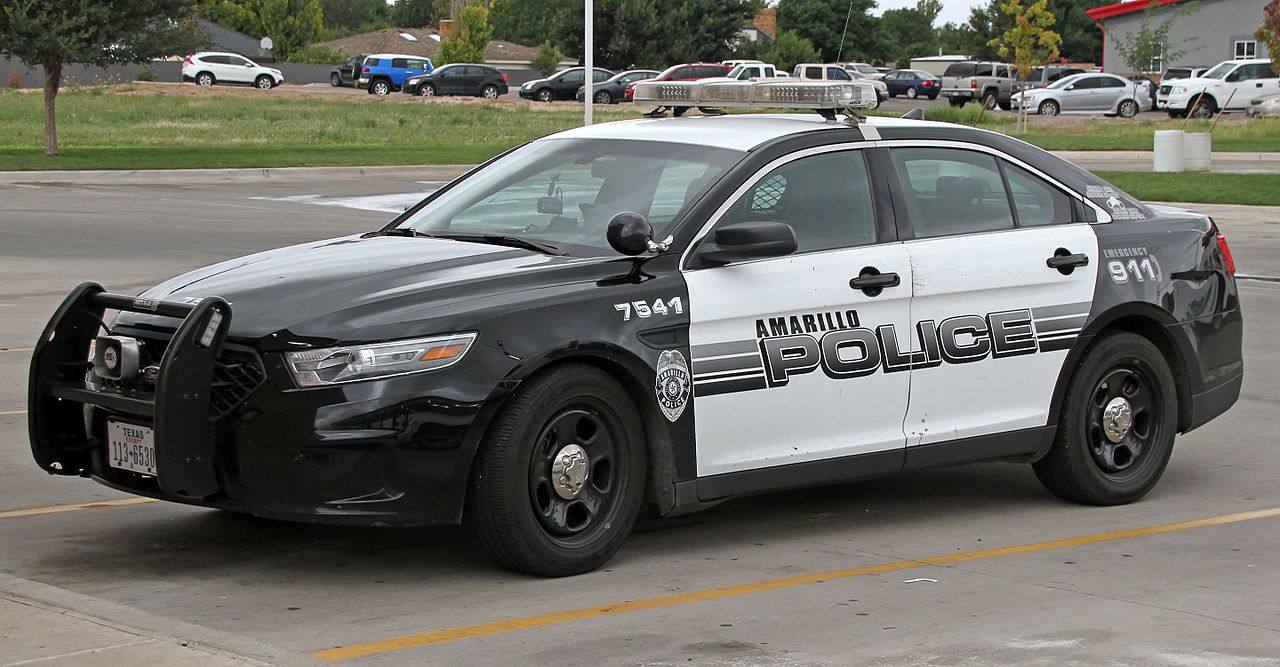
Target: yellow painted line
12, 412
512, 625
57, 509
16, 349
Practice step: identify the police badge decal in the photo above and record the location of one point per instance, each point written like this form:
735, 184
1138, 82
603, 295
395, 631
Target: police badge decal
672, 386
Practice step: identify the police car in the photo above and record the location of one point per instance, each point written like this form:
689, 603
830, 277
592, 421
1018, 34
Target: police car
656, 315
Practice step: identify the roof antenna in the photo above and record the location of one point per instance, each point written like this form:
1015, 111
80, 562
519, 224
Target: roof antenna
846, 30
916, 113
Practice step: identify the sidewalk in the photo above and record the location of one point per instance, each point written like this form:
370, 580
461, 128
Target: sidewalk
1237, 163
44, 625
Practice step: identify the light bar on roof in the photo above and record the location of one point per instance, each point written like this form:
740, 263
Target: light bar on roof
761, 94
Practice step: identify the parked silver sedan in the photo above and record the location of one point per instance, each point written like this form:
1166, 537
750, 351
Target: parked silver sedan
1266, 107
1088, 93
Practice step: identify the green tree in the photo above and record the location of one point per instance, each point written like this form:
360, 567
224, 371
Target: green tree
355, 14
654, 33
1030, 42
957, 39
417, 13
528, 21
1148, 47
95, 32
1081, 36
788, 50
547, 59
230, 14
291, 24
822, 23
467, 39
1269, 32
908, 32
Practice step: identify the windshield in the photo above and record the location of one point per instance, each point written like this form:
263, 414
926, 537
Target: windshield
866, 69
1064, 82
564, 191
1220, 70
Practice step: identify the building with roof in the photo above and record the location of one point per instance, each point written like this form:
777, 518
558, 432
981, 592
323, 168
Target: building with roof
763, 26
426, 42
1207, 31
222, 38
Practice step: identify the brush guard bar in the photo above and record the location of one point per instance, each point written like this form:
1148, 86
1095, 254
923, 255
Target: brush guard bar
178, 410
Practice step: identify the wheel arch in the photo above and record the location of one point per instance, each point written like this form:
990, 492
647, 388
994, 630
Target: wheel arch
205, 71
630, 371
1142, 319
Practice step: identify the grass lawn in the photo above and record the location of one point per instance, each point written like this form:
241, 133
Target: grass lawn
1252, 189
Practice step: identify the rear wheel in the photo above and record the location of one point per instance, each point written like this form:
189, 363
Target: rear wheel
990, 100
264, 82
335, 80
955, 102
1128, 108
204, 79
559, 478
489, 92
380, 87
1048, 108
1116, 431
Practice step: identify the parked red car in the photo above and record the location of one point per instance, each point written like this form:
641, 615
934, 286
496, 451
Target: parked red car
685, 72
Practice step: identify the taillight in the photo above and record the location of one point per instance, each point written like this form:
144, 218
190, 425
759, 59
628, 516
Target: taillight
364, 69
504, 77
1226, 254
973, 83
188, 61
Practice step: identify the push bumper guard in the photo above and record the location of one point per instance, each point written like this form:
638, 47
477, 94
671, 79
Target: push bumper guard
179, 408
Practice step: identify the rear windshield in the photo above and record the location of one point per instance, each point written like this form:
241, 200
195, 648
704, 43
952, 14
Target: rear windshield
959, 69
1178, 73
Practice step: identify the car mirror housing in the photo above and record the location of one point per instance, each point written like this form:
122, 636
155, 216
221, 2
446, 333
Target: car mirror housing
629, 233
747, 240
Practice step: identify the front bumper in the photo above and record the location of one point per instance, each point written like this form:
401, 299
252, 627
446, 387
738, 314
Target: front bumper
526, 94
395, 451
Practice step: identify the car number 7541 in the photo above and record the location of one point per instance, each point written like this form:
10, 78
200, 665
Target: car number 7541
643, 309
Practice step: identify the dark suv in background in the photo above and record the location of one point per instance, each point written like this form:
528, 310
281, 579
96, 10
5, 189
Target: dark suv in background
459, 79
562, 85
347, 73
613, 90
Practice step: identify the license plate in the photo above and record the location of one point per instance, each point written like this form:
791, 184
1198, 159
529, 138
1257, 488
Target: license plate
131, 447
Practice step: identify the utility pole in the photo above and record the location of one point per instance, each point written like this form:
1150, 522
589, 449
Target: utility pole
589, 76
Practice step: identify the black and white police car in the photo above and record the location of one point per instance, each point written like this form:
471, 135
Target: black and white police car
656, 315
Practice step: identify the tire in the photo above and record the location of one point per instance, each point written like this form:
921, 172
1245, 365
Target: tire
912, 94
1005, 106
990, 100
1177, 114
545, 95
602, 97
264, 82
1085, 464
892, 94
205, 79
933, 97
1204, 108
427, 90
489, 92
955, 102
335, 81
381, 87
1048, 108
516, 511
1127, 108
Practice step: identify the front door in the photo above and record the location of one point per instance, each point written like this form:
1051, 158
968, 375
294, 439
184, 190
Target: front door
994, 320
791, 363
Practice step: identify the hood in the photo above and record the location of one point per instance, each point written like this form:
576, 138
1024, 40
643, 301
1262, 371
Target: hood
529, 84
1195, 83
347, 288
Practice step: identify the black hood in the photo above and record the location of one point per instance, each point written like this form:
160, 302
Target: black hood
346, 289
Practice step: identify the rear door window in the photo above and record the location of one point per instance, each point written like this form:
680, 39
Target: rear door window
838, 74
982, 69
400, 63
1035, 202
1002, 71
951, 191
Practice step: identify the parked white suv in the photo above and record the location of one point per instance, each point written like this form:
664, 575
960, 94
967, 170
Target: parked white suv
209, 67
1231, 85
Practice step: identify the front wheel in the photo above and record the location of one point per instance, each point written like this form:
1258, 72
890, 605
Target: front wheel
1128, 109
335, 80
1203, 109
1048, 108
603, 97
264, 82
1118, 421
912, 94
545, 95
558, 481
427, 90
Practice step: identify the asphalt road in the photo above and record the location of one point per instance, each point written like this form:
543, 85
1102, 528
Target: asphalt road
970, 565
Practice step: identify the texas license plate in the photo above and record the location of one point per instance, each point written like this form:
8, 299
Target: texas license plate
131, 447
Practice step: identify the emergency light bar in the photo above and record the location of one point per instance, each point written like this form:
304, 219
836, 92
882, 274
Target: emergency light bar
763, 94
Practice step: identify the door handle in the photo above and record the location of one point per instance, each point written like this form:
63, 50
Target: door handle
872, 282
1065, 261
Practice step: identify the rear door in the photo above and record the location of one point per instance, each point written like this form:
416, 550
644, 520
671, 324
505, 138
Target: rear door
993, 321
791, 363
1250, 82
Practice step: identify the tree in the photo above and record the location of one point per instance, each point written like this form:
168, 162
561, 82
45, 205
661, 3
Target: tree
291, 24
547, 59
1269, 32
1081, 36
908, 32
788, 50
417, 13
822, 23
467, 39
94, 32
1030, 42
355, 14
528, 21
1148, 47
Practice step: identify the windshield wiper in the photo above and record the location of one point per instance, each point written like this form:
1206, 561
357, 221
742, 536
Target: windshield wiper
509, 241
399, 231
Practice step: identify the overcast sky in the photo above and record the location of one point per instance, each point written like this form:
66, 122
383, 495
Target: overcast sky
953, 11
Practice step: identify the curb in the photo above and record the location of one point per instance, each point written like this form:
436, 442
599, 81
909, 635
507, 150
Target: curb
435, 172
136, 621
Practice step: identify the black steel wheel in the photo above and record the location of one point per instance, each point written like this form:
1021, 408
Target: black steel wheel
559, 479
1117, 426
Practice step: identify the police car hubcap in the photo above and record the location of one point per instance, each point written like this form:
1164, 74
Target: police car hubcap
569, 471
1116, 419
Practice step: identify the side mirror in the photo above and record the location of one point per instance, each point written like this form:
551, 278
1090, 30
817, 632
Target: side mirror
629, 233
747, 240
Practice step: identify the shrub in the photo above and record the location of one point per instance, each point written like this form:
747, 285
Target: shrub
548, 59
145, 74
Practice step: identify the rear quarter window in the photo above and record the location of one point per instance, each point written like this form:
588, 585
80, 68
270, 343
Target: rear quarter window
372, 62
959, 69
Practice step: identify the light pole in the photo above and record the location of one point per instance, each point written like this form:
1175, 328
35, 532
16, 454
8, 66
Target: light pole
589, 76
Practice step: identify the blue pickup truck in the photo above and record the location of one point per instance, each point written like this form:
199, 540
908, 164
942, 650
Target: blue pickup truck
384, 73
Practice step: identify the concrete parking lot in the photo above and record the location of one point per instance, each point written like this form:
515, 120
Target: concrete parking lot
970, 565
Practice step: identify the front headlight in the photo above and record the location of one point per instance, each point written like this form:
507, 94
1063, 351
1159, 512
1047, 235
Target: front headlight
336, 365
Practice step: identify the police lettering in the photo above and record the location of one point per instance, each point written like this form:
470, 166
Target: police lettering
852, 351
